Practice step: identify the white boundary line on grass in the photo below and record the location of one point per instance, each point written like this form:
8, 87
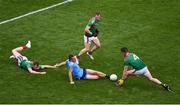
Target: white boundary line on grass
36, 11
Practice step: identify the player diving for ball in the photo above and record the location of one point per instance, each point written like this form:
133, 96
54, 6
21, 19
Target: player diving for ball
78, 73
91, 35
23, 62
139, 68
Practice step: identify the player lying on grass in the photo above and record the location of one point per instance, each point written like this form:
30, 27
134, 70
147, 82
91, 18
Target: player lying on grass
78, 73
91, 35
23, 62
139, 68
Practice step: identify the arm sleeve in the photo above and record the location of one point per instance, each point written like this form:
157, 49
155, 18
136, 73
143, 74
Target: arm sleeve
91, 21
70, 65
67, 64
40, 67
126, 63
89, 24
28, 65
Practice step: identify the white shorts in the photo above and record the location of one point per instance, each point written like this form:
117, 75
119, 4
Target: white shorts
141, 72
89, 39
21, 58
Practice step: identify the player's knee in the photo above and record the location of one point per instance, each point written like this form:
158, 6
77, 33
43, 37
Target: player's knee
98, 73
150, 78
87, 49
13, 51
126, 73
98, 46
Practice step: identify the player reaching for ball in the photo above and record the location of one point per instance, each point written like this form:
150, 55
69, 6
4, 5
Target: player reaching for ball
91, 35
139, 68
79, 73
23, 62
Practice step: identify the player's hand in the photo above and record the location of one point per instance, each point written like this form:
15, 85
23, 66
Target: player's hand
42, 72
56, 65
72, 82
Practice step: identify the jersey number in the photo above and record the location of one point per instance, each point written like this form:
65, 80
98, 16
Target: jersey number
135, 57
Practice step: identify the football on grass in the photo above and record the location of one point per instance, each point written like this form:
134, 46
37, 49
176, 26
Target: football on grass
113, 77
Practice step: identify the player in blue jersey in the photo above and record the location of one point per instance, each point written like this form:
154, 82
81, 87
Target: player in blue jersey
78, 73
81, 73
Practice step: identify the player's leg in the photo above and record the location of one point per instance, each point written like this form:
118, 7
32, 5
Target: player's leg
87, 44
16, 51
149, 76
85, 49
95, 47
146, 73
89, 76
94, 72
97, 44
155, 80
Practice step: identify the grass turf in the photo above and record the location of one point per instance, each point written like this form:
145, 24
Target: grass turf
149, 28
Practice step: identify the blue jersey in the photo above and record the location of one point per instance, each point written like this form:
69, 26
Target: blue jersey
68, 62
77, 72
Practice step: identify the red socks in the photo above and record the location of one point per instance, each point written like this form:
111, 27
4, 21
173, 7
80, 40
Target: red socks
24, 47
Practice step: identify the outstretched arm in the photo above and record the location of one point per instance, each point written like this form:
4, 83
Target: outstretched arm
35, 72
48, 66
60, 64
77, 60
70, 76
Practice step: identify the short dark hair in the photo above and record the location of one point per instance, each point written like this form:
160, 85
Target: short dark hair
124, 50
70, 56
98, 13
36, 63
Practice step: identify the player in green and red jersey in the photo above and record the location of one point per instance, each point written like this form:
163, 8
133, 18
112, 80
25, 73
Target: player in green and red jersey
91, 35
139, 68
23, 62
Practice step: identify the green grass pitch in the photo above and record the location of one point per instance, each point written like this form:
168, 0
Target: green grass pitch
149, 28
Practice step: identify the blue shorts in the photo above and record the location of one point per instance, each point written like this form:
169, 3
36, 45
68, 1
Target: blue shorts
84, 74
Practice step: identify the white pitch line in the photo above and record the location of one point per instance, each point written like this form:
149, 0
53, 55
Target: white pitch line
33, 12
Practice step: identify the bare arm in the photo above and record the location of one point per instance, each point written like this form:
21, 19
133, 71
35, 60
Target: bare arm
35, 72
31, 62
77, 60
87, 30
60, 64
70, 76
47, 66
124, 76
